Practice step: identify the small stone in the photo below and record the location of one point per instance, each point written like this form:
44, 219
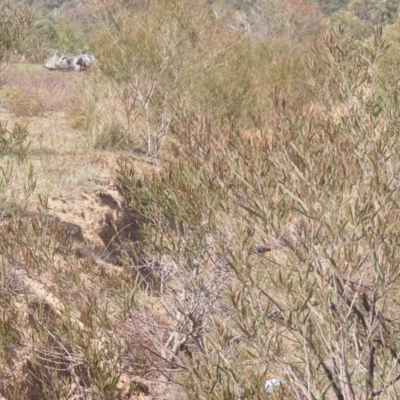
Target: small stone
271, 385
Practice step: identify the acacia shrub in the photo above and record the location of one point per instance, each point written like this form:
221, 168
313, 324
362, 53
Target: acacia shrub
284, 249
177, 51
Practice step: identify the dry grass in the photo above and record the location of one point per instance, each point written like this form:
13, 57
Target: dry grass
31, 91
59, 153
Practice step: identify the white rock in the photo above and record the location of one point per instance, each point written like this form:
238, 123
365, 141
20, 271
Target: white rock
64, 63
271, 385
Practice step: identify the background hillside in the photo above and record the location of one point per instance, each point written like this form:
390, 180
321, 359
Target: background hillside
69, 25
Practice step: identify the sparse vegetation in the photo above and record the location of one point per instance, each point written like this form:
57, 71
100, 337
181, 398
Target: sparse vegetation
214, 207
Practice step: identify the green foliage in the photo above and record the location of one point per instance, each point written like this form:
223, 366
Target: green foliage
11, 139
68, 39
14, 24
329, 7
50, 34
46, 5
357, 28
375, 12
360, 16
42, 36
59, 26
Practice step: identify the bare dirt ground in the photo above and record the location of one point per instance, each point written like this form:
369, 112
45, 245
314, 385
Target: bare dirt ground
76, 179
